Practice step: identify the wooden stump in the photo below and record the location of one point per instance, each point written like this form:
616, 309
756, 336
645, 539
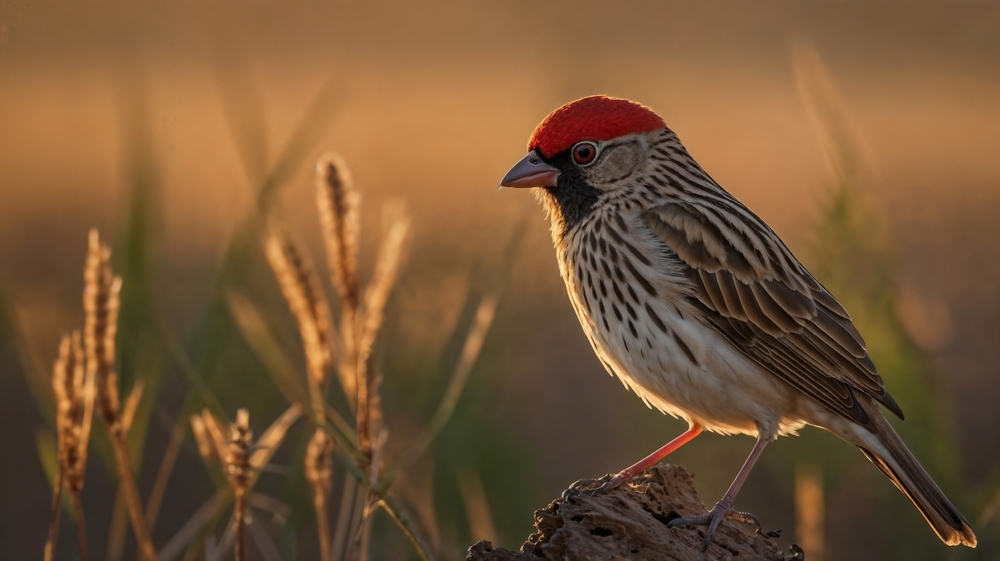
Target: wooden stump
630, 522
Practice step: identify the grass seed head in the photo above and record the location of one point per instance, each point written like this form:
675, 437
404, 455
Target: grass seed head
338, 203
100, 304
239, 448
305, 297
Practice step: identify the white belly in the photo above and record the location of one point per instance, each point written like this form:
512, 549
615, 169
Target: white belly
671, 360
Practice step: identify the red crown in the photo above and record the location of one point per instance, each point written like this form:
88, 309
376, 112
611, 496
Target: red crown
597, 117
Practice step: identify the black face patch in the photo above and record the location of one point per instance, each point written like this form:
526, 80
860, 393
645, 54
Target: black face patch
572, 199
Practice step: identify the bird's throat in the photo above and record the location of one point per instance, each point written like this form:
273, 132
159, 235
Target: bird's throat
568, 203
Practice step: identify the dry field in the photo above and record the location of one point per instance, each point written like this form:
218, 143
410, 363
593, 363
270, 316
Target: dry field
867, 135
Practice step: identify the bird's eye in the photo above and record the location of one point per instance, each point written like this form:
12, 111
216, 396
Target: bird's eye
584, 152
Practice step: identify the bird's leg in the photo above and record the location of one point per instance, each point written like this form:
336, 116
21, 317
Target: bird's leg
722, 508
638, 467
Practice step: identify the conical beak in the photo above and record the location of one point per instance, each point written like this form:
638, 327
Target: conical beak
531, 171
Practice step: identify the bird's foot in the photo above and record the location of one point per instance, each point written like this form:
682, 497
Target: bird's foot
721, 510
593, 487
748, 519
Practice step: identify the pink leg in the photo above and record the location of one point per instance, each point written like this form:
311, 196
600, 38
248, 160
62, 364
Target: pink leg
631, 471
722, 508
641, 465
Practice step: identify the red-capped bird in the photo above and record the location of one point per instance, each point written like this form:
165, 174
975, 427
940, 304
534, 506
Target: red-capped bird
699, 307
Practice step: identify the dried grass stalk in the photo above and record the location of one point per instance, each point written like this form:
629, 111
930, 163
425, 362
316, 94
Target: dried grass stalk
132, 404
386, 269
50, 543
213, 444
360, 321
359, 545
269, 441
338, 203
308, 304
319, 471
74, 406
100, 304
370, 432
239, 472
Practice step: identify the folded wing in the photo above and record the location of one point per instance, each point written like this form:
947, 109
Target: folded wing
756, 294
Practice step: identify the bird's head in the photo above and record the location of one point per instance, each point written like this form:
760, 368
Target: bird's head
586, 148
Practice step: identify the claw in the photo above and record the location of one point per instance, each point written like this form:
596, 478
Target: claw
723, 507
713, 518
570, 494
594, 486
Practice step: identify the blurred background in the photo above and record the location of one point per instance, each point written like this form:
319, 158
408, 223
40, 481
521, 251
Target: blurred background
867, 135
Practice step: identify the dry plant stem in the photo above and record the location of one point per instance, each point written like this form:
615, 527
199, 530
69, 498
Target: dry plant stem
357, 551
318, 473
64, 390
348, 493
163, 475
338, 204
322, 523
364, 420
305, 298
50, 544
117, 527
371, 434
240, 512
74, 410
81, 526
238, 470
131, 490
393, 509
100, 302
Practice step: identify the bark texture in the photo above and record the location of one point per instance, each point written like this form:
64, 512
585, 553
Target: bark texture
630, 523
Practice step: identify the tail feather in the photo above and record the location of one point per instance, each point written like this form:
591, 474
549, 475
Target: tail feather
888, 452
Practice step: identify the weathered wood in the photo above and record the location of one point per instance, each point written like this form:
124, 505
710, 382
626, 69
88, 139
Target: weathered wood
630, 522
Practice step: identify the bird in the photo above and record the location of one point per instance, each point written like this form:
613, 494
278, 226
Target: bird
698, 306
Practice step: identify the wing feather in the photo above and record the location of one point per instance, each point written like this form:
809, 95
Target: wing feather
754, 292
754, 313
727, 285
711, 287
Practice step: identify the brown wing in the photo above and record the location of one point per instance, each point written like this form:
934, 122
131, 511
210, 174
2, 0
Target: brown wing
755, 293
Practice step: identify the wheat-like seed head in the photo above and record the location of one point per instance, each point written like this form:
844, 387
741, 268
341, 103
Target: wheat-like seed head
238, 451
304, 294
239, 471
338, 204
68, 403
62, 384
100, 304
71, 409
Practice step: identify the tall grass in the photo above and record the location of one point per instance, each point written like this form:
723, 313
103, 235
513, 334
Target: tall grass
352, 342
347, 426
